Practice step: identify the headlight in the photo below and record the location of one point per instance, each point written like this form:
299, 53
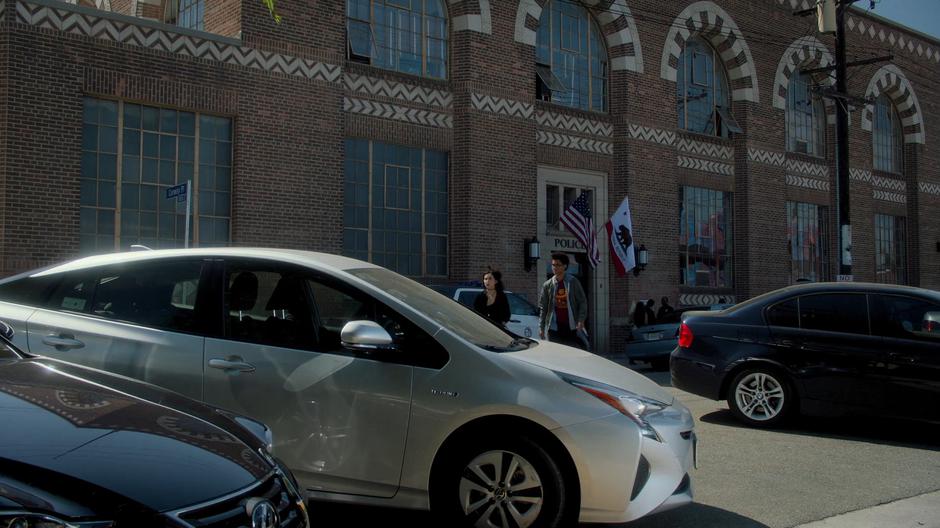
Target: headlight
38, 520
633, 406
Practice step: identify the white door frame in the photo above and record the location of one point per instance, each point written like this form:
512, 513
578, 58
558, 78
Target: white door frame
598, 293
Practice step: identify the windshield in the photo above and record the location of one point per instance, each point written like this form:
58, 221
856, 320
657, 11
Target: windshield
444, 311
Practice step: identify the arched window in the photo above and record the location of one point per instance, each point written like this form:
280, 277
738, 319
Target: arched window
887, 136
806, 118
409, 36
702, 92
570, 57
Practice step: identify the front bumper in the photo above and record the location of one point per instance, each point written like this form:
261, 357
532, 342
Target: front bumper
625, 476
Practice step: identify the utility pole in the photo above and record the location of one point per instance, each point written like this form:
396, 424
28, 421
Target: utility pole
831, 19
842, 150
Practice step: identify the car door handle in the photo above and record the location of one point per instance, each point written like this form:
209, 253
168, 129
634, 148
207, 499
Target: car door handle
62, 342
513, 320
230, 365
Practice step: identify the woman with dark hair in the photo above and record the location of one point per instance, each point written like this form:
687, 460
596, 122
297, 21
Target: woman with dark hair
492, 302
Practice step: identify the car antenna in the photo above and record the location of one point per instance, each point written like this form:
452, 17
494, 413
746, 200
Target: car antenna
138, 247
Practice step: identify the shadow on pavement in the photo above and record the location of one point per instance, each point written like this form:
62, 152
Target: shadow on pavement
882, 431
691, 516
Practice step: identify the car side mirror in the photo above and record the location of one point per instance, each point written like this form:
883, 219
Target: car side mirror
365, 336
931, 322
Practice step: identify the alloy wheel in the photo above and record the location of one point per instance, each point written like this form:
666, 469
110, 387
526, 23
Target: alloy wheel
759, 396
501, 489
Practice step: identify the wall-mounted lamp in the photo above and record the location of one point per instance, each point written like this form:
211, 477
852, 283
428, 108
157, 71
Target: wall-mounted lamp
642, 259
532, 250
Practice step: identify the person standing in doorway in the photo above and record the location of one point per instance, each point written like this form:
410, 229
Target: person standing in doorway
492, 302
562, 305
664, 308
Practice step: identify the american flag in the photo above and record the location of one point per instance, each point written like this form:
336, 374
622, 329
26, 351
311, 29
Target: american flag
577, 218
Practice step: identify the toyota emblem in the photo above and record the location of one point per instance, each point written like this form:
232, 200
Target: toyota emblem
263, 514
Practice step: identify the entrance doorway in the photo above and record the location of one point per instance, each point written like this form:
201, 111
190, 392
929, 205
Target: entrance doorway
557, 188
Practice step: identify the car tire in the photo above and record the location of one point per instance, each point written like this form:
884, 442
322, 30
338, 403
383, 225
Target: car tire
761, 397
503, 483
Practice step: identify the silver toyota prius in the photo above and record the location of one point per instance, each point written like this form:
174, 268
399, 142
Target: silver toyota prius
378, 389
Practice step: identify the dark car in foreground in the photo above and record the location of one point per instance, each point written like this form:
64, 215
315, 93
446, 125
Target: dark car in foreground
817, 349
82, 448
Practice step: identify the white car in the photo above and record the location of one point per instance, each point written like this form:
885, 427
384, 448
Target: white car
378, 390
524, 316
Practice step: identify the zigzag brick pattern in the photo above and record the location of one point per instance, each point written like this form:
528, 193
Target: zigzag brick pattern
497, 105
574, 142
145, 37
702, 299
889, 183
807, 183
406, 92
886, 196
929, 188
574, 124
705, 149
706, 166
811, 169
398, 113
860, 175
654, 135
777, 159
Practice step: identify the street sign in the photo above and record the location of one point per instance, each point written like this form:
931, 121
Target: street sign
844, 278
177, 191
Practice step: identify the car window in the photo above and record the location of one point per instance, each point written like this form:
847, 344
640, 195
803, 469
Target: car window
74, 292
785, 313
834, 312
156, 294
518, 305
464, 322
903, 317
31, 291
268, 306
466, 297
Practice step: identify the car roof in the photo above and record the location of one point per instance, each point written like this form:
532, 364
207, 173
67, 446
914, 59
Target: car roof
304, 258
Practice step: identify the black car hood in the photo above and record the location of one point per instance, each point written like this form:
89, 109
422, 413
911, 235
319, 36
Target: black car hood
61, 418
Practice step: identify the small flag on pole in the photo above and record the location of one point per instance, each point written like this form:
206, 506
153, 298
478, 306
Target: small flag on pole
577, 218
620, 234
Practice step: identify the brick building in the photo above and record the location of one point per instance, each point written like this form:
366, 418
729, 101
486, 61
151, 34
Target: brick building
435, 137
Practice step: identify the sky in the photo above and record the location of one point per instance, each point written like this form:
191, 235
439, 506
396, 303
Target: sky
921, 15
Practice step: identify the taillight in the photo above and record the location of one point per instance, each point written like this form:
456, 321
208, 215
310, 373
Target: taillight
685, 336
931, 326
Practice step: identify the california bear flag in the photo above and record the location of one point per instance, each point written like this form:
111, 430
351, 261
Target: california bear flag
620, 235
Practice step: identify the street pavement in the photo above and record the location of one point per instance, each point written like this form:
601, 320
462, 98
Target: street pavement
815, 473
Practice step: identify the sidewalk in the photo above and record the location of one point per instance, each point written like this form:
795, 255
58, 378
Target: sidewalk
922, 511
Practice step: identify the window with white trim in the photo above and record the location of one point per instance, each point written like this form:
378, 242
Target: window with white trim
806, 118
702, 95
887, 136
571, 63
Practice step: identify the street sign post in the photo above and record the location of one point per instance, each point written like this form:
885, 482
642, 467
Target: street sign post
181, 192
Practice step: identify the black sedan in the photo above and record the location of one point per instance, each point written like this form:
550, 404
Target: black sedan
817, 349
82, 448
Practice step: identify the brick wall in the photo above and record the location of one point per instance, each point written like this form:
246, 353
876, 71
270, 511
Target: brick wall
290, 125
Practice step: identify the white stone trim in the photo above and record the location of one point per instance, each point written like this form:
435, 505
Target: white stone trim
692, 14
889, 80
802, 51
